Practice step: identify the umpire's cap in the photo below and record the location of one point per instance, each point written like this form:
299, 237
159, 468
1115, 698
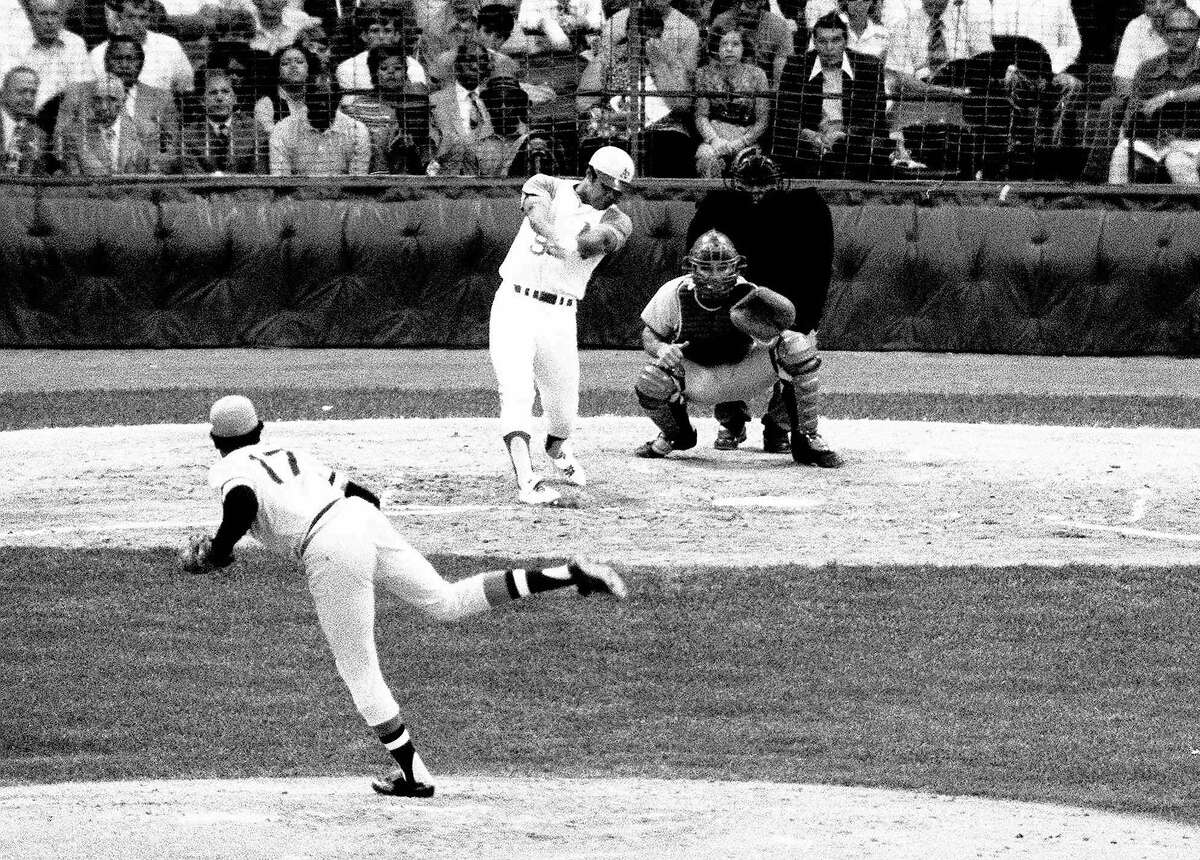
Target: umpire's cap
233, 416
613, 166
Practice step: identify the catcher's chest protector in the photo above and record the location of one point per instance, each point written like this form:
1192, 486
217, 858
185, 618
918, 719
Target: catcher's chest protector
786, 238
712, 337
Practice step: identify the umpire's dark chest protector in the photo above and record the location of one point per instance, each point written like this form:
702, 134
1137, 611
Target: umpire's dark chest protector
711, 336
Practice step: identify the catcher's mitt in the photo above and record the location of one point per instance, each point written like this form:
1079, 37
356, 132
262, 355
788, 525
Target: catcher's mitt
763, 314
196, 556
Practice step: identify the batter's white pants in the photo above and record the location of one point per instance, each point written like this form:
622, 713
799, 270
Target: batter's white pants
534, 343
354, 548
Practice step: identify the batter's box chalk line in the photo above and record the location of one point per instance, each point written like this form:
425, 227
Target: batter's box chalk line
786, 503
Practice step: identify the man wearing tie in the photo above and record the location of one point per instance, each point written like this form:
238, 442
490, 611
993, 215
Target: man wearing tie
226, 140
24, 143
107, 141
459, 120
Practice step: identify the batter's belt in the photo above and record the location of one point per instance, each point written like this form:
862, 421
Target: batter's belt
542, 296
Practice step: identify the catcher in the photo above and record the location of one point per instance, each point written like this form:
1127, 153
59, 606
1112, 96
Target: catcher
774, 225
716, 337
296, 506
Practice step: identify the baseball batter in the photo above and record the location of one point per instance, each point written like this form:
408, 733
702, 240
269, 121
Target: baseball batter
714, 337
297, 506
568, 228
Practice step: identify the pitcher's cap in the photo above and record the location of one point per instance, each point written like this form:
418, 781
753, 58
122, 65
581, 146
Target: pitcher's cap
233, 415
613, 167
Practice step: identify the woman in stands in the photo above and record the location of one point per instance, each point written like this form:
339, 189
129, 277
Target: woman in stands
396, 114
294, 68
733, 101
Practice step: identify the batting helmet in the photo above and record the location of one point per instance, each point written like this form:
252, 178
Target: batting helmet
714, 264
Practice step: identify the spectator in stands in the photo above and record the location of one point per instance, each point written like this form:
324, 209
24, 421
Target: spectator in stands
1144, 38
459, 120
1163, 119
315, 39
377, 26
152, 108
447, 30
166, 66
226, 140
680, 39
493, 26
670, 148
294, 69
277, 25
554, 25
1049, 22
925, 35
508, 106
242, 66
830, 116
732, 101
106, 141
864, 20
323, 141
24, 143
58, 57
396, 114
767, 32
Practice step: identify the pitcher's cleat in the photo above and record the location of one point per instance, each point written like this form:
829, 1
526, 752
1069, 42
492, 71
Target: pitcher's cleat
398, 784
593, 578
535, 492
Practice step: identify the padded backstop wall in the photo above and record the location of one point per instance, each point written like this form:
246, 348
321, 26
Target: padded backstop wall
138, 267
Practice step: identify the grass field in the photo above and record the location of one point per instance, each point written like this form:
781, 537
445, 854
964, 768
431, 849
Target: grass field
1056, 683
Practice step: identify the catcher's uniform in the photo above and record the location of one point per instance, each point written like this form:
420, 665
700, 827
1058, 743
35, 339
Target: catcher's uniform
720, 362
532, 337
346, 546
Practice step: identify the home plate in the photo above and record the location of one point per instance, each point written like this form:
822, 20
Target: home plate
787, 503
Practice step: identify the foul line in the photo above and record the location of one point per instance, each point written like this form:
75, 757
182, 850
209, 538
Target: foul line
1125, 530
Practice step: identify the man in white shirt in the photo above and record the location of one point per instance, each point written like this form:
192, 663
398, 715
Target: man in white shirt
1050, 22
57, 55
167, 66
963, 30
277, 24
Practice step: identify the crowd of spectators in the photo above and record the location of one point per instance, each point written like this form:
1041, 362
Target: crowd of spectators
990, 89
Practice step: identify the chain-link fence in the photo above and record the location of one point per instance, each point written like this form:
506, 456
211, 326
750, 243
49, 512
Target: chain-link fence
858, 89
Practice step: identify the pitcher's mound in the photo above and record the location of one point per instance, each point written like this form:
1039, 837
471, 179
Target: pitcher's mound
519, 818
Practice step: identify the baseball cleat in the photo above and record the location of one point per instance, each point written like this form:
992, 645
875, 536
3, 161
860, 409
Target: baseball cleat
536, 492
655, 448
397, 784
728, 440
776, 442
809, 449
567, 466
593, 578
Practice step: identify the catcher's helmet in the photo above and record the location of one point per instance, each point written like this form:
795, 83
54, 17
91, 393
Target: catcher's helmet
714, 264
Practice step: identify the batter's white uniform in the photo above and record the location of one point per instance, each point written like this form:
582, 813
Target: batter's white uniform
346, 546
532, 336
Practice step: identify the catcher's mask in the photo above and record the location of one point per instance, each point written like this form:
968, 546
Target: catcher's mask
714, 264
755, 172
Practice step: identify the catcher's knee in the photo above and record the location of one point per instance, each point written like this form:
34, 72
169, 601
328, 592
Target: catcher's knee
796, 355
656, 386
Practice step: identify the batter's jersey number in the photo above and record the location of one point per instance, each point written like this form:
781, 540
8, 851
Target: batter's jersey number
274, 460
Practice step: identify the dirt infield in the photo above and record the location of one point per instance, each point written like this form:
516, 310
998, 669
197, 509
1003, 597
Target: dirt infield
557, 818
912, 493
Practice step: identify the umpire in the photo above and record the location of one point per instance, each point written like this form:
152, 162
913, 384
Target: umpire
777, 229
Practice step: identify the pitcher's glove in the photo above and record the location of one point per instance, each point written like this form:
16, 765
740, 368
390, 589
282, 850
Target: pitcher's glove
763, 314
196, 556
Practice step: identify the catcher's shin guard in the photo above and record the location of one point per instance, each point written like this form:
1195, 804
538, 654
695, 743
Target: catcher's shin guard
660, 395
797, 362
